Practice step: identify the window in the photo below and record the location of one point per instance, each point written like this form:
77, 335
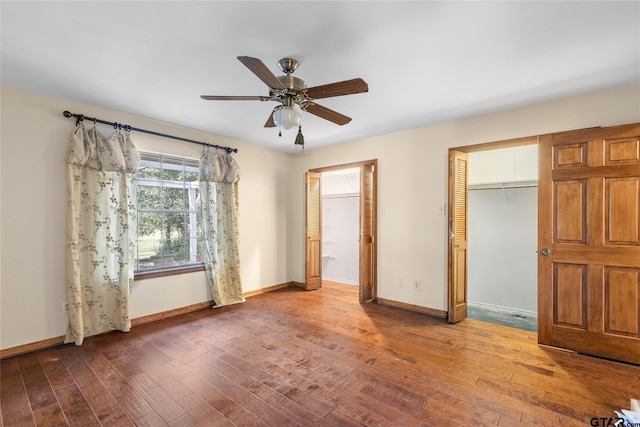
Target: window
169, 234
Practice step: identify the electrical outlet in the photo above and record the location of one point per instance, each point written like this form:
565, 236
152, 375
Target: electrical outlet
443, 209
416, 285
383, 211
400, 283
65, 307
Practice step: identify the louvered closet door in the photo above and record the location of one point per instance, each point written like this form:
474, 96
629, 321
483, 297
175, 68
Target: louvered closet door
313, 265
589, 242
367, 232
458, 239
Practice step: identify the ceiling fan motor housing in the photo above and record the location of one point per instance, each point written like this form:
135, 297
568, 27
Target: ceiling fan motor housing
293, 93
293, 84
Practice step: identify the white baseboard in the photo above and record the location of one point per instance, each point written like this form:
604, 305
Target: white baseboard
339, 280
502, 309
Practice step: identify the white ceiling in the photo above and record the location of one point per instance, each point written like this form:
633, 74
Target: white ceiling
425, 61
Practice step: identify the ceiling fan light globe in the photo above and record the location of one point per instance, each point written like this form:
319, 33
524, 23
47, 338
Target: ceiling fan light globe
286, 117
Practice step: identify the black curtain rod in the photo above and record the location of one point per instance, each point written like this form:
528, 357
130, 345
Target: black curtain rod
116, 125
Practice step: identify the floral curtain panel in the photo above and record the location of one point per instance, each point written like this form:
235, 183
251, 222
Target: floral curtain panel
219, 176
101, 225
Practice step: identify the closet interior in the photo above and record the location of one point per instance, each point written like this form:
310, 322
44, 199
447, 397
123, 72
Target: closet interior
340, 191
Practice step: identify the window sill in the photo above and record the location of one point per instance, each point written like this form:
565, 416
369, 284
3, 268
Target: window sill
142, 275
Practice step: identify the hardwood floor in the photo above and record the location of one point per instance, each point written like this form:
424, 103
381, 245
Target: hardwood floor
315, 358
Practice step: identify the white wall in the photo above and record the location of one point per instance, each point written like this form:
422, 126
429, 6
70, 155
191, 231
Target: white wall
34, 139
412, 183
342, 181
340, 225
504, 165
503, 236
412, 174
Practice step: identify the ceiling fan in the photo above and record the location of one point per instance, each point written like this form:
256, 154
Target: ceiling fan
290, 91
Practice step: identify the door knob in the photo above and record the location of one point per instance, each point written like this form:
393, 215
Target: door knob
545, 252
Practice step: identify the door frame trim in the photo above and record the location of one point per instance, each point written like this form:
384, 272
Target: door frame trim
508, 143
352, 165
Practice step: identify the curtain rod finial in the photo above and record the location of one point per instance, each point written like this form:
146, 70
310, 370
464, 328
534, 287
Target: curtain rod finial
67, 114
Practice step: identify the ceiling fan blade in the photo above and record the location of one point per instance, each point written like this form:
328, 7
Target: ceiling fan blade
270, 123
327, 114
347, 87
258, 68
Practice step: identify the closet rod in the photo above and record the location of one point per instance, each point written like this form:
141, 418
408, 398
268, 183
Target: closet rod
340, 196
500, 187
130, 128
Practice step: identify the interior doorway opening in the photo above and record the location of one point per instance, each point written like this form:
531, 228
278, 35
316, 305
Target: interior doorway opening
588, 240
503, 235
487, 260
340, 193
349, 186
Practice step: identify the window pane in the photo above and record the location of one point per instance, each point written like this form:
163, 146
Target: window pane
181, 251
200, 254
148, 196
191, 194
175, 198
191, 175
163, 258
173, 170
173, 176
147, 249
174, 225
169, 230
150, 167
199, 231
149, 226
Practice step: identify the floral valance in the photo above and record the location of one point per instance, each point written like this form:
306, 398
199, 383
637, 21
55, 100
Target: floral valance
93, 150
218, 166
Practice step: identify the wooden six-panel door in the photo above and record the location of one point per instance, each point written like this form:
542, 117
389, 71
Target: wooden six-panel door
589, 242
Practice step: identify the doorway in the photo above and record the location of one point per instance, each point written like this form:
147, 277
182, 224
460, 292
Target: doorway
320, 248
588, 239
458, 201
503, 234
340, 193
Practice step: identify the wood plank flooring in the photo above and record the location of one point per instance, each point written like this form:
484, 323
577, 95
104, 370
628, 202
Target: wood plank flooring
318, 358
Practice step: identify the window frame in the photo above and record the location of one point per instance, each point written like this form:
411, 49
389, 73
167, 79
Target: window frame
141, 274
